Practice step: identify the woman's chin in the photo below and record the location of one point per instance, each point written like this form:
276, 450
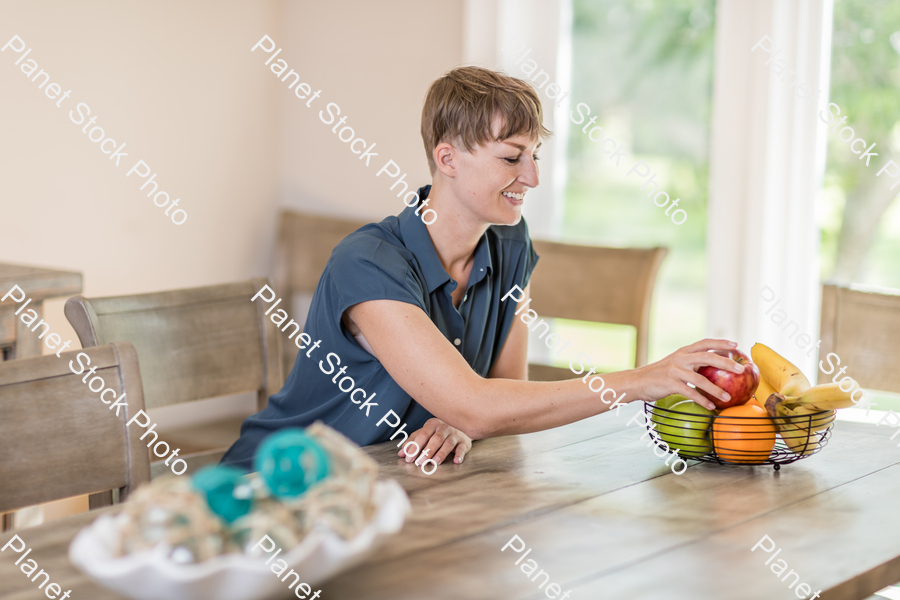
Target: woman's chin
507, 215
511, 217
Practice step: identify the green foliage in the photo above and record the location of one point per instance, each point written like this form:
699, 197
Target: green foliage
865, 72
865, 64
645, 69
653, 59
865, 75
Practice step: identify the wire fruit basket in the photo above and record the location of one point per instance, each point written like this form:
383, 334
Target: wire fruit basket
736, 440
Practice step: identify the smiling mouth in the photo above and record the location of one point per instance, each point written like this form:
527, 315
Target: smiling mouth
513, 196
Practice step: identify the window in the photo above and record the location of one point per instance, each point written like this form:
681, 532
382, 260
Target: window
859, 215
644, 68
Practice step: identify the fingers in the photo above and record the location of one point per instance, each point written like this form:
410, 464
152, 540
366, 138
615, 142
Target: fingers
714, 360
710, 344
446, 448
421, 436
412, 438
428, 444
697, 397
461, 451
437, 441
459, 444
416, 443
701, 382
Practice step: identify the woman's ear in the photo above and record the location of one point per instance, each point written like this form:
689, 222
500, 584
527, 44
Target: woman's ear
446, 159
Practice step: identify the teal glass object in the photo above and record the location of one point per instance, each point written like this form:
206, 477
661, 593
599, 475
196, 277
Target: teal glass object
290, 462
227, 493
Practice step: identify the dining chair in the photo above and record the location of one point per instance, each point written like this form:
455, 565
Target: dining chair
861, 325
597, 284
193, 344
304, 245
58, 439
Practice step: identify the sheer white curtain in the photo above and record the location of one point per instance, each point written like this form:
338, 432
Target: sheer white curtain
496, 34
767, 161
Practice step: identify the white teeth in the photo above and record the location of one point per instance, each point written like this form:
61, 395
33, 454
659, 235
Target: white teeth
516, 196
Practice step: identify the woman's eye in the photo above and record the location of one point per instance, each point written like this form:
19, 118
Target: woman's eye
513, 161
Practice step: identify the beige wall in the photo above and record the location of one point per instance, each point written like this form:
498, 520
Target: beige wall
375, 60
176, 81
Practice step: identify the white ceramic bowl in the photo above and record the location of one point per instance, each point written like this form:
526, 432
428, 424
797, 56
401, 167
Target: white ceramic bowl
152, 576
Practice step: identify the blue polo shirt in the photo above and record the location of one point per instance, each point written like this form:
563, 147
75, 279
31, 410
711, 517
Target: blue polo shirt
391, 260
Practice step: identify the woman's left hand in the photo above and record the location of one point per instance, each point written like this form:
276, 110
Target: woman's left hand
436, 440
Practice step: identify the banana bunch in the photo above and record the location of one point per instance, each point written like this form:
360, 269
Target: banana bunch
798, 439
763, 391
827, 396
778, 371
798, 434
815, 420
785, 393
777, 374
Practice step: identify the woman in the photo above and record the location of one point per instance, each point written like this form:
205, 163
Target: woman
413, 315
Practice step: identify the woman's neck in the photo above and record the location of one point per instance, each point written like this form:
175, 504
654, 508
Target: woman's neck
456, 231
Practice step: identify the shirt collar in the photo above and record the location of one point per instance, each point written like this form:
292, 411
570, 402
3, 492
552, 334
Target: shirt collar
417, 241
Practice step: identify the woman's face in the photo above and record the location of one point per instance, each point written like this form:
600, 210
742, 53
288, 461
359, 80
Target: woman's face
493, 179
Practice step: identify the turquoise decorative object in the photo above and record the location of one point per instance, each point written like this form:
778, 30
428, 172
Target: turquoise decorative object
290, 462
227, 492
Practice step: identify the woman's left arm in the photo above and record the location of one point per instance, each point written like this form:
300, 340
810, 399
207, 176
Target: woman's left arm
441, 439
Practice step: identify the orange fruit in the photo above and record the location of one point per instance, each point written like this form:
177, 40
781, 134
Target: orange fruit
742, 440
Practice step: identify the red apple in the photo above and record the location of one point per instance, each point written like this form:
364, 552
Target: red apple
739, 385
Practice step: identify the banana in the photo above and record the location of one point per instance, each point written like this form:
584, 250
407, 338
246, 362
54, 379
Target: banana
817, 421
797, 438
784, 377
763, 392
827, 396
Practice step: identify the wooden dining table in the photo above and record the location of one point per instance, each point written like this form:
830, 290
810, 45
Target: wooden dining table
606, 519
38, 284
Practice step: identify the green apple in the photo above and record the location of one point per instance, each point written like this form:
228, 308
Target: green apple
669, 401
687, 433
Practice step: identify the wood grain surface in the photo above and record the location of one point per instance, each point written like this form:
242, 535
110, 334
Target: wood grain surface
598, 284
58, 439
193, 344
16, 339
38, 283
606, 519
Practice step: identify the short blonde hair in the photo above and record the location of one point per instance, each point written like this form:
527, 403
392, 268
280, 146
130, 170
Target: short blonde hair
461, 105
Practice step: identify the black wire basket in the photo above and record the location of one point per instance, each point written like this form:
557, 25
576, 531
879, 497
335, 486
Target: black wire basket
739, 440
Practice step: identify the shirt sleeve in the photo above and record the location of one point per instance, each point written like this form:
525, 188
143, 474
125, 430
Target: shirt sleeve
364, 268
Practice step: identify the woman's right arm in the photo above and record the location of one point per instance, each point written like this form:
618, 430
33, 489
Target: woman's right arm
431, 370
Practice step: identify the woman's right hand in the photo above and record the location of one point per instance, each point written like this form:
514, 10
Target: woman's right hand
672, 374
